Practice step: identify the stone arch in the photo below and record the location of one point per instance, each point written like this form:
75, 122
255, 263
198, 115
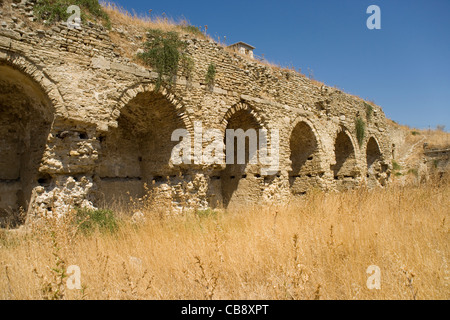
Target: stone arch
240, 107
374, 160
131, 93
241, 183
305, 155
135, 153
26, 117
373, 152
345, 166
47, 85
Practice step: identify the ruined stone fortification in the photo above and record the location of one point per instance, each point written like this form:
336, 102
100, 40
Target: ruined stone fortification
81, 125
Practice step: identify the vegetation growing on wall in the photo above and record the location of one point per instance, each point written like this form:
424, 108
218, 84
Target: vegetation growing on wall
191, 29
360, 126
369, 111
187, 65
56, 10
163, 52
211, 74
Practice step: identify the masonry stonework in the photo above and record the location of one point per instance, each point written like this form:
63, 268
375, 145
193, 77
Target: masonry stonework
81, 125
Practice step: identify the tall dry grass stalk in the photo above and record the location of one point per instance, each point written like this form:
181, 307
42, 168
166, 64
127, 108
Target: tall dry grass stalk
318, 247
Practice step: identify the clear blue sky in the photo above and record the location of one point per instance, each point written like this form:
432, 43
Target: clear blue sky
404, 67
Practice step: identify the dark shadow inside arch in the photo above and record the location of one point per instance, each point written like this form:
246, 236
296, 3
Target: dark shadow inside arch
137, 153
373, 154
305, 159
26, 116
375, 165
345, 157
240, 183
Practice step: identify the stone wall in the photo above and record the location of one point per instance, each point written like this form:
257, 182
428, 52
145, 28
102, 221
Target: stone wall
83, 126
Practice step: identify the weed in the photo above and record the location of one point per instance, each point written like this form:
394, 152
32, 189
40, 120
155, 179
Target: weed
187, 65
360, 126
89, 220
208, 278
396, 166
210, 75
191, 29
56, 10
369, 111
413, 171
163, 51
206, 213
409, 275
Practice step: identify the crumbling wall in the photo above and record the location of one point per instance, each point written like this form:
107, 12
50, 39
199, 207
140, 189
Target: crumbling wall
376, 168
82, 125
306, 159
26, 116
241, 182
137, 152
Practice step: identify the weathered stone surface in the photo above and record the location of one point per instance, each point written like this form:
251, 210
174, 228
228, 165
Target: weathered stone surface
82, 125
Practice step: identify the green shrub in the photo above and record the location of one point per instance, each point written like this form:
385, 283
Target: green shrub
435, 163
91, 220
206, 213
415, 133
56, 10
360, 130
369, 111
414, 172
211, 74
163, 51
187, 65
396, 166
191, 29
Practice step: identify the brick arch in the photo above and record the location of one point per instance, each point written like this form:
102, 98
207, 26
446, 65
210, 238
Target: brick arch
48, 86
131, 93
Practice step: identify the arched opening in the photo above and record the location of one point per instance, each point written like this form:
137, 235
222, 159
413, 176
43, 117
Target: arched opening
345, 167
373, 154
26, 116
305, 159
137, 152
375, 166
241, 183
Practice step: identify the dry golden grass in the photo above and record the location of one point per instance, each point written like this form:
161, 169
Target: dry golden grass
120, 17
433, 137
316, 248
